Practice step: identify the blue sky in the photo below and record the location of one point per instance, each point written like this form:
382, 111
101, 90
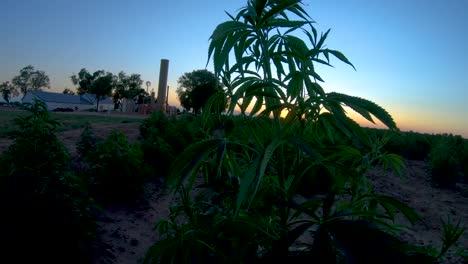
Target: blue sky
411, 57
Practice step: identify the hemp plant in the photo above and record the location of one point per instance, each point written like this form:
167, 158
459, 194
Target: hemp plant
252, 208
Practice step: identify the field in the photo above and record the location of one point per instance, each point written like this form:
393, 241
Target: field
125, 230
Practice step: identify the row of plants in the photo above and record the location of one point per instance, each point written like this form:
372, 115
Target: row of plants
446, 154
42, 183
47, 214
116, 169
50, 202
410, 145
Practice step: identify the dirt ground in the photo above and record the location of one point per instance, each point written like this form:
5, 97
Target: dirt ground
125, 232
432, 203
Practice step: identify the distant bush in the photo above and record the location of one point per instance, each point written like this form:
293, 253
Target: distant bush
444, 160
464, 160
410, 145
46, 214
116, 168
87, 141
162, 139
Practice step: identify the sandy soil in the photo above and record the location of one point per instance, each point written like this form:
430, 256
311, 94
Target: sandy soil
432, 203
125, 232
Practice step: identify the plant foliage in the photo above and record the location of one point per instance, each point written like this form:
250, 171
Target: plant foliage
445, 160
116, 168
45, 210
266, 183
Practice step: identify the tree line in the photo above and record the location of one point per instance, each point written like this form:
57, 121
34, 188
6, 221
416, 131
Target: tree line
101, 84
194, 88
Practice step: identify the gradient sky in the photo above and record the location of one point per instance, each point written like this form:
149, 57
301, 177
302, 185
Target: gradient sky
411, 56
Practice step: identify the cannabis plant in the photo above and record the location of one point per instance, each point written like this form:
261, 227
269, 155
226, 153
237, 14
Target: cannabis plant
116, 168
87, 141
162, 139
46, 214
254, 173
445, 160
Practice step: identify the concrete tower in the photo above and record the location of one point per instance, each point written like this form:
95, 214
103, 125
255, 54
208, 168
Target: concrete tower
163, 73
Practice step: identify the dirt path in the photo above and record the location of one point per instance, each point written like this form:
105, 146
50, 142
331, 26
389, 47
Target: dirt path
125, 233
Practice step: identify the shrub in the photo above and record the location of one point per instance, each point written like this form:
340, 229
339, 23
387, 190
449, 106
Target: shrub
164, 138
410, 145
159, 124
45, 211
444, 161
158, 154
464, 161
116, 168
87, 141
157, 120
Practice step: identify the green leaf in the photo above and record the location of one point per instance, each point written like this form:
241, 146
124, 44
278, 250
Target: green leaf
262, 165
295, 85
363, 105
278, 23
322, 40
396, 162
186, 162
305, 147
246, 182
451, 234
406, 210
257, 106
341, 57
260, 7
225, 29
277, 9
297, 46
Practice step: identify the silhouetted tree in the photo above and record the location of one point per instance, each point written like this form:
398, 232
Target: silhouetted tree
8, 90
68, 91
99, 84
84, 80
127, 86
31, 79
101, 87
195, 88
